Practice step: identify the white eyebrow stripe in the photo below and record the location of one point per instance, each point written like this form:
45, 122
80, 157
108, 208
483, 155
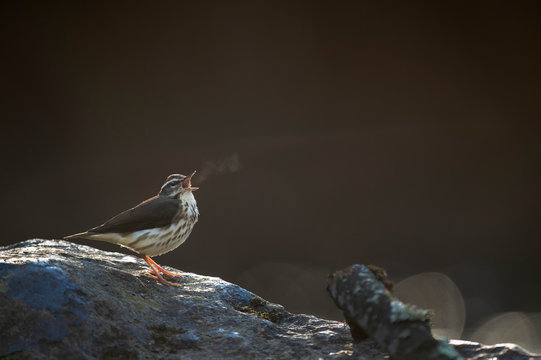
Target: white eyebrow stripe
170, 181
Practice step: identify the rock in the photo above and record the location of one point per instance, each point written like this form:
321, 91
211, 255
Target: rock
475, 351
63, 300
363, 293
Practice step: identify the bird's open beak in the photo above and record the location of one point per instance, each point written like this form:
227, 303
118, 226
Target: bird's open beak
187, 183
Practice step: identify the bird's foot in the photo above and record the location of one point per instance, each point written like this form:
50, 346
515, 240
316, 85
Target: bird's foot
155, 272
161, 279
162, 270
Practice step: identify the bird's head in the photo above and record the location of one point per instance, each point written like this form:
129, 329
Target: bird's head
176, 185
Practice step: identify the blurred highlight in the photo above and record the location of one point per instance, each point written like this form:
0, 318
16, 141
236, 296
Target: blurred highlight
438, 292
511, 327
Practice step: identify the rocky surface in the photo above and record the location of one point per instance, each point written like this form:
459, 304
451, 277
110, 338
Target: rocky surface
63, 300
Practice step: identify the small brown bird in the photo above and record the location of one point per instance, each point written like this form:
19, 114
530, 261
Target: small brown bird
155, 226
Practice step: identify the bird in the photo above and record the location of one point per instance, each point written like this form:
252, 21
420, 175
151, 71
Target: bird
155, 226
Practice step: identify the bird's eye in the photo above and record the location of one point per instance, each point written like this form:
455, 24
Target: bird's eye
174, 183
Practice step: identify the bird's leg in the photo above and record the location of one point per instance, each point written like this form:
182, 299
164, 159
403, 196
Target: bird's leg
156, 274
160, 269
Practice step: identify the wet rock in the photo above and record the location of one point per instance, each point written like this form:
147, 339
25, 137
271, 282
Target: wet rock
63, 300
475, 351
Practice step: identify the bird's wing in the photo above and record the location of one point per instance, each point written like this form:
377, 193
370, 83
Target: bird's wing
152, 213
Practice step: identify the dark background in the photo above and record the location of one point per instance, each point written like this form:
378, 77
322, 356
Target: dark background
326, 134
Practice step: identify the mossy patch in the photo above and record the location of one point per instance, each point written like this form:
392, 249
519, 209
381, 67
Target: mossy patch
258, 307
382, 276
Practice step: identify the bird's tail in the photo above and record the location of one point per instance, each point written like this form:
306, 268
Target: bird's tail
82, 235
89, 235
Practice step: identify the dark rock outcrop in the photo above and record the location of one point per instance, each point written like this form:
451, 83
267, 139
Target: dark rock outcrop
63, 300
370, 308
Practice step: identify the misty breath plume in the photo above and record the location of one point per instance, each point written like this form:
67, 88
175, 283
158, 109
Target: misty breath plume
228, 164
